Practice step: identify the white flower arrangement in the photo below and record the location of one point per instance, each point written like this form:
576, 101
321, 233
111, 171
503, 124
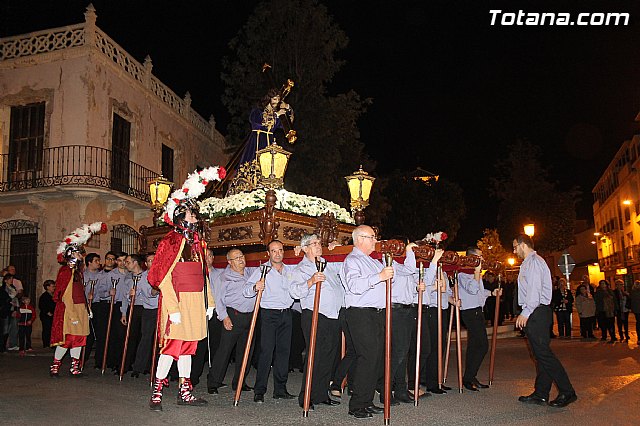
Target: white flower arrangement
436, 237
287, 201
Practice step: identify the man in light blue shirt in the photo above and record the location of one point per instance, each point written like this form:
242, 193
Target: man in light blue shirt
275, 310
92, 277
303, 284
534, 295
119, 319
235, 311
472, 297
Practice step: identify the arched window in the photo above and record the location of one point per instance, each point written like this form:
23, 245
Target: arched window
19, 247
124, 239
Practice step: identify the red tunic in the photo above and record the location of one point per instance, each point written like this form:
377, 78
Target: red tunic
80, 317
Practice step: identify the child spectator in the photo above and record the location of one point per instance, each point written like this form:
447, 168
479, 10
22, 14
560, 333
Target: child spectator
27, 314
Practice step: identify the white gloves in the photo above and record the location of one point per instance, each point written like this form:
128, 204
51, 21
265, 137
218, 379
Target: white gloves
175, 318
91, 315
209, 313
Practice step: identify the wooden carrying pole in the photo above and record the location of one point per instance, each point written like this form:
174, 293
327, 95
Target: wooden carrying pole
264, 270
114, 283
132, 303
458, 340
416, 383
320, 265
448, 350
494, 336
388, 258
343, 353
439, 306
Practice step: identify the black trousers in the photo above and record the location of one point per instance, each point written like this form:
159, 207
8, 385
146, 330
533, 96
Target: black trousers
47, 322
564, 323
403, 324
477, 342
367, 331
586, 326
297, 341
100, 318
237, 337
327, 343
606, 325
135, 334
116, 339
429, 347
622, 319
148, 324
549, 368
275, 345
201, 356
24, 337
344, 367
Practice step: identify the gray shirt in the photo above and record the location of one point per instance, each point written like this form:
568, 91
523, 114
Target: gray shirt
276, 292
230, 286
471, 291
331, 290
534, 284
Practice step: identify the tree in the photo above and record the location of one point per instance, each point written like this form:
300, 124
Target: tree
526, 195
491, 246
418, 209
299, 39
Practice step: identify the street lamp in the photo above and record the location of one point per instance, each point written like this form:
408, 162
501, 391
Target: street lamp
159, 190
511, 261
273, 162
359, 184
530, 229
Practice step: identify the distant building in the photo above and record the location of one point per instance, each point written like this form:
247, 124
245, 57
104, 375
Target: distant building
83, 127
616, 212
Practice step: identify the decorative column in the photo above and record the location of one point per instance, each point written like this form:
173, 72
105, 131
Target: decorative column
268, 223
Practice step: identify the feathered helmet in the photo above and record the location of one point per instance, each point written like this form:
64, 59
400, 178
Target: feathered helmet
184, 199
74, 242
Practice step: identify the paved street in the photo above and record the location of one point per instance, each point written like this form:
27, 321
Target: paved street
604, 375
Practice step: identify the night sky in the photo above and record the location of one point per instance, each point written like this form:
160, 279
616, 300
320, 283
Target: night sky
450, 91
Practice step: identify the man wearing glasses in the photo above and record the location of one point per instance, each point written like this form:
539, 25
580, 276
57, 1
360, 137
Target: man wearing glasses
235, 312
534, 295
364, 280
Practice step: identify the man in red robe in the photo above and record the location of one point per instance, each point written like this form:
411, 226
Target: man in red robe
177, 271
71, 317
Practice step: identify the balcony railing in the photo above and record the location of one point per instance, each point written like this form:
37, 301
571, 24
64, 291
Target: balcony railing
76, 165
611, 261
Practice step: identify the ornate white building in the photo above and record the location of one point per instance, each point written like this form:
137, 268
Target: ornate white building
616, 212
83, 127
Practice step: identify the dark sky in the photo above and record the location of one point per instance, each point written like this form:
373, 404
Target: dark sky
450, 91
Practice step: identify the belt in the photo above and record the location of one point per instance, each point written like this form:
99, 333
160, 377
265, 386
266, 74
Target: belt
237, 312
403, 306
276, 310
367, 308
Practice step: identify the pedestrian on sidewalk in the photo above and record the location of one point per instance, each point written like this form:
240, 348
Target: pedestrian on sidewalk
27, 314
586, 307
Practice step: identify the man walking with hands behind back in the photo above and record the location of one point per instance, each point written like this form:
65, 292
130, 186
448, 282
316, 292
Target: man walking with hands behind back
534, 296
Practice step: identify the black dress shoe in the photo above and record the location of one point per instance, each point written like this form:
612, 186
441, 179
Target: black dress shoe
437, 391
445, 388
480, 385
374, 409
392, 401
330, 402
470, 386
360, 413
285, 395
222, 385
212, 390
403, 397
564, 399
533, 399
259, 398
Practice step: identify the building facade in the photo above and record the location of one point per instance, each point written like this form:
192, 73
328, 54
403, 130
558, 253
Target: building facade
616, 211
83, 128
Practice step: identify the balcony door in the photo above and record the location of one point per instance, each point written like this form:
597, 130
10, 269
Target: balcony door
26, 143
120, 144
